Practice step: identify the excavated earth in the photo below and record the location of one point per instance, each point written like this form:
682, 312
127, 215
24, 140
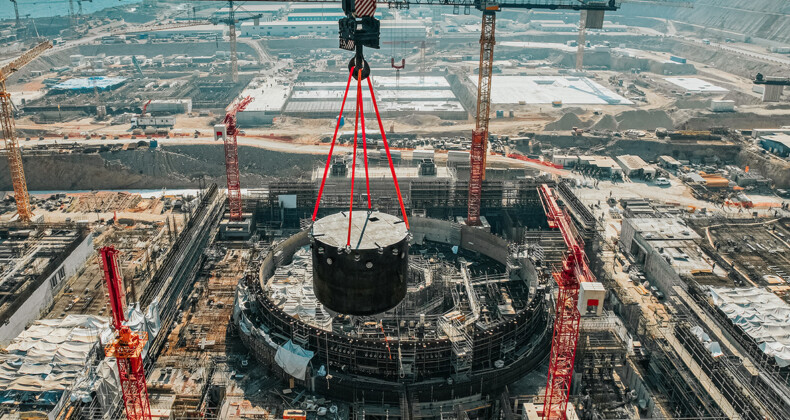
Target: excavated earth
168, 167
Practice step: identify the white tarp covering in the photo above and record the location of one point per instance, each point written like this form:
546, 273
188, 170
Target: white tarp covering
762, 315
713, 346
47, 358
293, 359
148, 322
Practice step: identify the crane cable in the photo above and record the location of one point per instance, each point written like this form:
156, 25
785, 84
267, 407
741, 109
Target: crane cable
354, 157
332, 146
359, 119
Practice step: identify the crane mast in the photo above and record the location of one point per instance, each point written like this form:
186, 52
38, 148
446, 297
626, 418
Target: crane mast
21, 195
234, 61
478, 152
567, 317
127, 346
232, 159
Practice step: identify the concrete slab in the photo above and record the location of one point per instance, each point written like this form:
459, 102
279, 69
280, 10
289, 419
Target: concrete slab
533, 90
693, 84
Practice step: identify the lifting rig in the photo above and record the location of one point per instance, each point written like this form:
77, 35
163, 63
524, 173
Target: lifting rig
127, 346
21, 195
362, 29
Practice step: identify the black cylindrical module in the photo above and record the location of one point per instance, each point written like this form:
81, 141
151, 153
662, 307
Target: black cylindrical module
367, 277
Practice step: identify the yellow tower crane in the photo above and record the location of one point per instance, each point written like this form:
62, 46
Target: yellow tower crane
11, 144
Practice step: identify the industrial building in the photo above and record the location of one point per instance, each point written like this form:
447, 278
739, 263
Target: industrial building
35, 264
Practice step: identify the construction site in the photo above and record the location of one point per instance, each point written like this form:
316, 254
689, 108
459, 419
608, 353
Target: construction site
519, 209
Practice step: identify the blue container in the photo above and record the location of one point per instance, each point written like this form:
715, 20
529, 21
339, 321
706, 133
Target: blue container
153, 144
342, 121
677, 59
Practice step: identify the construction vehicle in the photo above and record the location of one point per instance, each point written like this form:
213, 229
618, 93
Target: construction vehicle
13, 151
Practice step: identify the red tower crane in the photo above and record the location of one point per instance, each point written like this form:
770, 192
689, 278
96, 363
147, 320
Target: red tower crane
567, 318
232, 158
127, 347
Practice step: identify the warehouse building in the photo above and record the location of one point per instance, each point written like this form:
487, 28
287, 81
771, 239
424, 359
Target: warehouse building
634, 167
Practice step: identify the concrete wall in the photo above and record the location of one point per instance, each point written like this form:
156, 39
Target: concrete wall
490, 245
42, 297
633, 380
282, 254
660, 273
436, 230
470, 238
627, 235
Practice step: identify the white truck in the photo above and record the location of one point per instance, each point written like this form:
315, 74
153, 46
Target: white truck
143, 122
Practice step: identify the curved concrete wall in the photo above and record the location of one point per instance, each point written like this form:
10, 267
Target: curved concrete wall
281, 253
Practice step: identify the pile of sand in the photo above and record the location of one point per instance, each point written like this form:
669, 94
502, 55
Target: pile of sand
607, 122
420, 120
644, 120
567, 122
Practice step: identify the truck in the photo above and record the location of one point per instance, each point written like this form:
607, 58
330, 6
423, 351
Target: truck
143, 122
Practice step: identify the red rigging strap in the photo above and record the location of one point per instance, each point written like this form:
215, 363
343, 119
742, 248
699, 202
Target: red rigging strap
354, 158
387, 149
364, 146
332, 147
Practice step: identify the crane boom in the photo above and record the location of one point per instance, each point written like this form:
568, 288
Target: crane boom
234, 60
606, 5
479, 149
21, 195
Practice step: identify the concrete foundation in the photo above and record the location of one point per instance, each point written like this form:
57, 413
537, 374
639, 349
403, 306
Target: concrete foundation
241, 230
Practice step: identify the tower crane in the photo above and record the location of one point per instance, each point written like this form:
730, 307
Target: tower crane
127, 346
231, 21
17, 23
232, 156
21, 195
592, 22
567, 317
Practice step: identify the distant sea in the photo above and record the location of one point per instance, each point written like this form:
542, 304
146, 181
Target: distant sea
48, 8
